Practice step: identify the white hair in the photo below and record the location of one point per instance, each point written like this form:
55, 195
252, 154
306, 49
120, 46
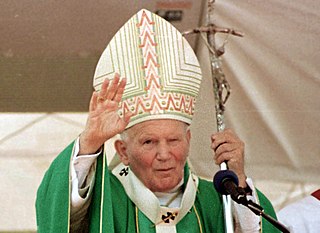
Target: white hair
124, 134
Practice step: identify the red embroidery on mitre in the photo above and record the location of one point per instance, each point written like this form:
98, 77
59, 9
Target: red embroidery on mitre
155, 99
155, 104
144, 19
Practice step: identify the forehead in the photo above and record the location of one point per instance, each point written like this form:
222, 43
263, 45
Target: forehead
157, 127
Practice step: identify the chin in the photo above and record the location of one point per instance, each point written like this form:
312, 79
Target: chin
162, 189
165, 186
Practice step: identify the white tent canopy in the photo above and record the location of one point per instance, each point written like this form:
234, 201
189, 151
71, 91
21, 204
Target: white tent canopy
275, 80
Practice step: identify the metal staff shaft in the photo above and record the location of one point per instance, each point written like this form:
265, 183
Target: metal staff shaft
219, 83
218, 86
221, 90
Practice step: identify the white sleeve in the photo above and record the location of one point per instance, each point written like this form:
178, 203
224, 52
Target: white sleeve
302, 215
82, 170
245, 220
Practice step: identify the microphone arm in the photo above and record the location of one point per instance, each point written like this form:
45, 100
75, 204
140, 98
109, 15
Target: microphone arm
258, 210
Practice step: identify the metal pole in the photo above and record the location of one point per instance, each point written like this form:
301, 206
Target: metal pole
218, 85
221, 90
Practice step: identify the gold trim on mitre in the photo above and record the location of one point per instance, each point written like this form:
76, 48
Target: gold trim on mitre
163, 73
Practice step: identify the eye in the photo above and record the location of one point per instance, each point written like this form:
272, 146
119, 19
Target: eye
147, 142
174, 141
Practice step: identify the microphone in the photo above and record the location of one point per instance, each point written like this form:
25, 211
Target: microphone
226, 182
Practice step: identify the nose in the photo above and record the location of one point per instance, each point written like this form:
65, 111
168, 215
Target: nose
163, 151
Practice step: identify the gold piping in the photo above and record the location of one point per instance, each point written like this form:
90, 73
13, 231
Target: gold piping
198, 218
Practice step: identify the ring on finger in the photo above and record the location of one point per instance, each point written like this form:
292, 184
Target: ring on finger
101, 99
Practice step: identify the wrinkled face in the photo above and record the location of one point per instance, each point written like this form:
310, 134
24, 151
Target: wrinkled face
156, 152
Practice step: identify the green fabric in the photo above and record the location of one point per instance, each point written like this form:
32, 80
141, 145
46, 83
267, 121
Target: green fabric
125, 216
118, 212
268, 209
52, 209
95, 213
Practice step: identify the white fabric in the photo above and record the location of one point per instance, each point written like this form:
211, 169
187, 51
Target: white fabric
82, 176
148, 203
302, 216
81, 168
165, 198
165, 229
245, 220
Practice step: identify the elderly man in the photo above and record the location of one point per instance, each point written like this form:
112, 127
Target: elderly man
148, 186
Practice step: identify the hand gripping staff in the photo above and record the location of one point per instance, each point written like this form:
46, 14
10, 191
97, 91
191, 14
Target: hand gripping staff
221, 88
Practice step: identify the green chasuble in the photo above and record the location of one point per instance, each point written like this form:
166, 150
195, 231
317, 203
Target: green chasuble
111, 210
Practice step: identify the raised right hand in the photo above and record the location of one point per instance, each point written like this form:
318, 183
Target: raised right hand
103, 120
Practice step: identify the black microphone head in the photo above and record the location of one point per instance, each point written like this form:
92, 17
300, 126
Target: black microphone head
221, 177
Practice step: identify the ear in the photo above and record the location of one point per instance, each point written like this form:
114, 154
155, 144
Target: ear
121, 149
188, 135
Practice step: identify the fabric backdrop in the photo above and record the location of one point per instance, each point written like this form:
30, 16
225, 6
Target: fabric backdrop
274, 76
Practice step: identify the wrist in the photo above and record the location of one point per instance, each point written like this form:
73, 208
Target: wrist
88, 145
242, 181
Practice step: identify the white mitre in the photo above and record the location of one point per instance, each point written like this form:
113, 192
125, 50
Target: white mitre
162, 71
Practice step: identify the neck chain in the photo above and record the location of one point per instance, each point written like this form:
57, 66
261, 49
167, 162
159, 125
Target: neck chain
173, 198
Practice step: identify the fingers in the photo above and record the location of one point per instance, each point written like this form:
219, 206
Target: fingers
104, 88
226, 136
112, 90
227, 151
113, 87
119, 92
227, 146
126, 117
93, 101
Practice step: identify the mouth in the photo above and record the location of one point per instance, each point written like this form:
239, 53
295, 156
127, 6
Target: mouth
164, 169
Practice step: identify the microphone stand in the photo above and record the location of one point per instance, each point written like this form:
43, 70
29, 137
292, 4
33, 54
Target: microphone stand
258, 210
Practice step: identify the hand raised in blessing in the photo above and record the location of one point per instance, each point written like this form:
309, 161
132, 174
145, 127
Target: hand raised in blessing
103, 120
